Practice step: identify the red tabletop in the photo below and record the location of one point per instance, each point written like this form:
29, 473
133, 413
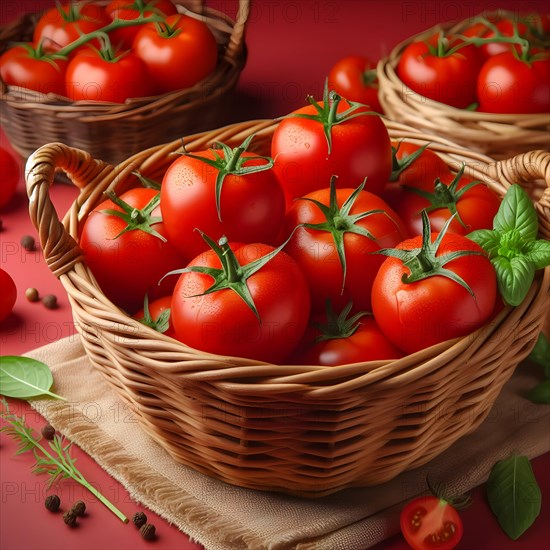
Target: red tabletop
292, 45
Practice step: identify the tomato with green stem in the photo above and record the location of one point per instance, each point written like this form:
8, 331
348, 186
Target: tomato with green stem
179, 41
331, 137
245, 300
125, 246
354, 78
10, 173
433, 288
156, 315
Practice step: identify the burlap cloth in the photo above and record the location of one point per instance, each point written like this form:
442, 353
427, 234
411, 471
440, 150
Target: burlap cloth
223, 517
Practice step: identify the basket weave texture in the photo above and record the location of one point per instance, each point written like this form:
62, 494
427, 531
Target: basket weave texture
113, 131
498, 135
304, 430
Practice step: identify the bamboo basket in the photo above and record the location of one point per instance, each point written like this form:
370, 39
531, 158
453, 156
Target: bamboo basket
113, 131
498, 135
304, 430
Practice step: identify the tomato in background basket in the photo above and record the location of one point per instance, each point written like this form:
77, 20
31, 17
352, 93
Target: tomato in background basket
327, 138
107, 75
132, 9
354, 78
125, 246
9, 176
63, 24
8, 295
179, 52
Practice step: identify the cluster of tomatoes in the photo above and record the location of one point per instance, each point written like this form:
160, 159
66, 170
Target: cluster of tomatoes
125, 49
499, 64
304, 255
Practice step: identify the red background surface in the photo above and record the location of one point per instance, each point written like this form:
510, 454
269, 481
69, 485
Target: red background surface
292, 45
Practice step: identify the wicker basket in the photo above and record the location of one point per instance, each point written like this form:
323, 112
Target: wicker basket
498, 135
303, 430
112, 131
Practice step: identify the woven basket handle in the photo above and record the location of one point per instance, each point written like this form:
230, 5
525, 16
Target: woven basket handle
527, 169
236, 40
60, 250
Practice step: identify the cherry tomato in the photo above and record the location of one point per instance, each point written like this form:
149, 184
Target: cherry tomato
428, 522
507, 84
221, 322
63, 24
354, 78
132, 9
23, 65
431, 70
354, 148
8, 294
181, 41
157, 315
95, 76
9, 176
251, 205
122, 252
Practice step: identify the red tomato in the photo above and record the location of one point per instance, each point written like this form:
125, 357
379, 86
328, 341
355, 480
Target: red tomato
354, 78
8, 294
416, 315
360, 148
428, 522
181, 41
92, 77
157, 316
127, 260
316, 250
132, 9
507, 84
63, 24
9, 176
24, 66
251, 205
221, 322
428, 68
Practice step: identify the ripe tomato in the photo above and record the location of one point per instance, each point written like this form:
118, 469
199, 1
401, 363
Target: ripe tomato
222, 322
126, 258
433, 70
157, 315
26, 66
336, 229
93, 75
250, 205
428, 522
359, 148
9, 176
354, 78
181, 41
8, 294
507, 84
63, 24
132, 9
415, 301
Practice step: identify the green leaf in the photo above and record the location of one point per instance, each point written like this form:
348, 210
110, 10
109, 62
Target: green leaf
517, 212
488, 239
541, 353
538, 253
514, 495
23, 377
514, 277
540, 393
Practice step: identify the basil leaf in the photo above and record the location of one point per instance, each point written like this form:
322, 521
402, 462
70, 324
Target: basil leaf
23, 377
540, 393
488, 240
517, 212
514, 495
514, 277
538, 252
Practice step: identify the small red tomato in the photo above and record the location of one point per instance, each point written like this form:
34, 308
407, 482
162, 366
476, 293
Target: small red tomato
8, 294
157, 315
9, 176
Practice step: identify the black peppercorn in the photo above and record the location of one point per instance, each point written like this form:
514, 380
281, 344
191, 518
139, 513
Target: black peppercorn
79, 508
52, 503
48, 432
50, 301
147, 531
27, 242
139, 519
69, 518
